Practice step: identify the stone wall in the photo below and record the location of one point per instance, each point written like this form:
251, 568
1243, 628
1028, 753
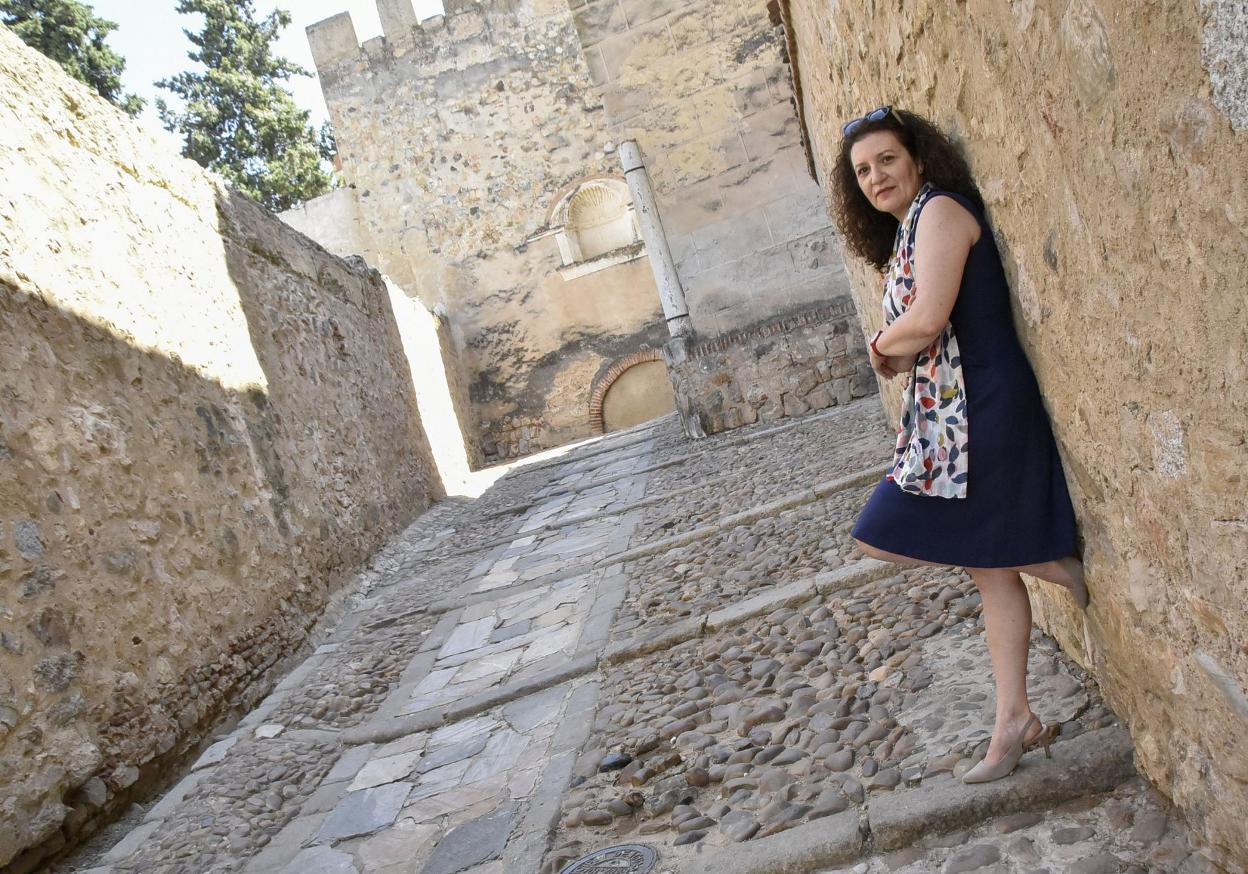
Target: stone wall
1108, 140
782, 368
206, 424
701, 86
460, 138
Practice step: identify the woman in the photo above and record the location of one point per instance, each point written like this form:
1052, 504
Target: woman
996, 504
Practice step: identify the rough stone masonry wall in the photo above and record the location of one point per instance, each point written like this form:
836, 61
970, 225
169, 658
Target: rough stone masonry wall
205, 424
782, 368
701, 85
1108, 140
458, 135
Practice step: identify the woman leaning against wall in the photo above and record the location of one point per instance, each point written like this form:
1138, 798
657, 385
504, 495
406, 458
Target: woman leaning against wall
976, 480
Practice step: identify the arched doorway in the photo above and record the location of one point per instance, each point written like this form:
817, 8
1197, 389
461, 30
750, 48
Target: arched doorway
633, 390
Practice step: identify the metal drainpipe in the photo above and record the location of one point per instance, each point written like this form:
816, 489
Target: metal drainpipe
671, 294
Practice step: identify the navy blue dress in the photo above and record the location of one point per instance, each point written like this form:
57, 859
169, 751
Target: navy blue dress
1017, 510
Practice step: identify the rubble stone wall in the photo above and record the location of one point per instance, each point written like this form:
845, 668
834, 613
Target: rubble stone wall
701, 86
206, 424
459, 137
783, 368
1108, 140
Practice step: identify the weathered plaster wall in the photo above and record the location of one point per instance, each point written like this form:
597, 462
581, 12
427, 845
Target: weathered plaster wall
772, 371
441, 391
1108, 141
701, 86
199, 409
458, 135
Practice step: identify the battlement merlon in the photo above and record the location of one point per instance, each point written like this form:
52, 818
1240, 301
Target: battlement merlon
397, 18
333, 39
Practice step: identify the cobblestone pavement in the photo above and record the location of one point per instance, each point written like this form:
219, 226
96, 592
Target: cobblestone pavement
648, 640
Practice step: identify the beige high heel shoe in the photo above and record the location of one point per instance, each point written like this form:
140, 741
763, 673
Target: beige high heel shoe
985, 773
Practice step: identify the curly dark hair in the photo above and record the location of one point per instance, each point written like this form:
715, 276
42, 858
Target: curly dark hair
868, 232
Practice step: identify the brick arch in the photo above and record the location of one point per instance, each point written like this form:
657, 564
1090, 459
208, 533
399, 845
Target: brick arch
598, 391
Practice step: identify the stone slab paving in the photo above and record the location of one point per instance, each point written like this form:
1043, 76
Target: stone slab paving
504, 689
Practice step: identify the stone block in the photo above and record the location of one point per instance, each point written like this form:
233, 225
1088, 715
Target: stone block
691, 208
321, 860
364, 812
599, 21
472, 843
798, 214
332, 40
819, 398
661, 129
698, 25
398, 17
769, 131
842, 391
731, 239
713, 109
639, 12
755, 183
708, 156
751, 93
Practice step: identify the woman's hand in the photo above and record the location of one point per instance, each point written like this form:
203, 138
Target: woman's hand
901, 365
890, 366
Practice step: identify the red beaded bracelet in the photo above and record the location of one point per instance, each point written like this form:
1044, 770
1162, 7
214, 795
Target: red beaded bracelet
874, 348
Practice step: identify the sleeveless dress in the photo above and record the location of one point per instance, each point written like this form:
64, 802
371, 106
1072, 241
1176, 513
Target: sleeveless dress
1017, 510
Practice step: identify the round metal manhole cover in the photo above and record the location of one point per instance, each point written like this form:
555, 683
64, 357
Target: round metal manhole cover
624, 859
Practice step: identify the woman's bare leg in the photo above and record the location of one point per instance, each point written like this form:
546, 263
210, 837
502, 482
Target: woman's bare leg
1007, 621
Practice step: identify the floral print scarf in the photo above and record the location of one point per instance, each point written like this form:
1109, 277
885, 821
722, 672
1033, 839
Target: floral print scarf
931, 456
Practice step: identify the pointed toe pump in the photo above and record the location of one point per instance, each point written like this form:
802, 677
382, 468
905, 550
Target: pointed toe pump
1003, 767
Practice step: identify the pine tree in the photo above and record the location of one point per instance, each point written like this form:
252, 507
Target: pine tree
237, 117
69, 33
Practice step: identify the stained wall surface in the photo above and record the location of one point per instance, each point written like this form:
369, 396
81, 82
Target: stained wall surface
206, 424
460, 138
702, 87
1108, 140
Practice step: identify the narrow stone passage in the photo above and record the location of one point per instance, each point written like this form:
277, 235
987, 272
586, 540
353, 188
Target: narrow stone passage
651, 641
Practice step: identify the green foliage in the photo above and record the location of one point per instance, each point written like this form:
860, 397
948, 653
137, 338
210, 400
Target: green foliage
69, 33
237, 118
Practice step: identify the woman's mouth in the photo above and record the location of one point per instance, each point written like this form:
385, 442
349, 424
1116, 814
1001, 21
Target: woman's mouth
883, 191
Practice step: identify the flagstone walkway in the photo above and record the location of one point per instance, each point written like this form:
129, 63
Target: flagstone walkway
648, 640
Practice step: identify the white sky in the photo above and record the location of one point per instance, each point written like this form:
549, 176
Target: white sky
149, 36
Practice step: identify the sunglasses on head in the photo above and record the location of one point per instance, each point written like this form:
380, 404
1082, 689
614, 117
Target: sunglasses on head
874, 115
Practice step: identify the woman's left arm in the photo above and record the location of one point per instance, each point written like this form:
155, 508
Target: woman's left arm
943, 240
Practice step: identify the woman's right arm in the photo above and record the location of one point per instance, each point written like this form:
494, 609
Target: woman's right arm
943, 240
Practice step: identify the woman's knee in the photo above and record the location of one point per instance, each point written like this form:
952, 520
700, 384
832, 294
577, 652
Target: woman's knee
869, 550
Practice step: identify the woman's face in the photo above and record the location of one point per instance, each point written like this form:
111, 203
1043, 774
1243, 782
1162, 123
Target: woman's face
886, 173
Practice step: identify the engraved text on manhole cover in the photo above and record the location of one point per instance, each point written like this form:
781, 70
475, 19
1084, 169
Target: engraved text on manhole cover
624, 859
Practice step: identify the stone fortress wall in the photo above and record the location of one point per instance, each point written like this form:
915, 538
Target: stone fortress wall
206, 424
1109, 142
470, 139
464, 140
